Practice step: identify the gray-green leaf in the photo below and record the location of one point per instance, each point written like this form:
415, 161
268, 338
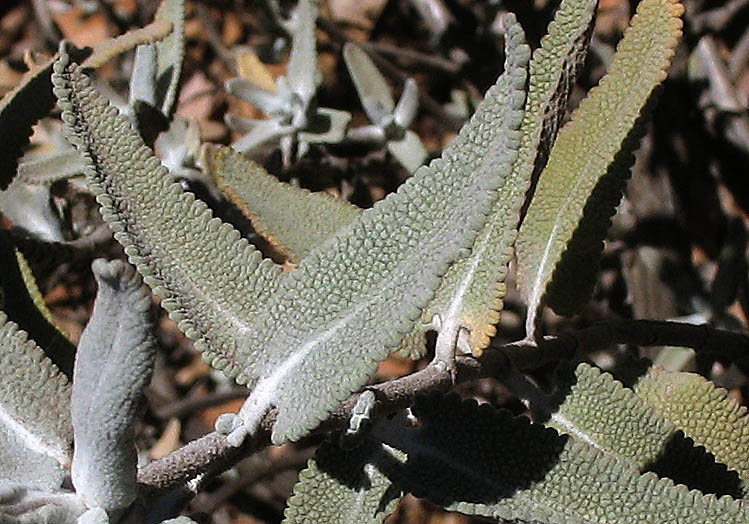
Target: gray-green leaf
342, 487
113, 364
34, 412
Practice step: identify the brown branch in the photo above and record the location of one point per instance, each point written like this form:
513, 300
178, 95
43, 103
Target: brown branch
569, 346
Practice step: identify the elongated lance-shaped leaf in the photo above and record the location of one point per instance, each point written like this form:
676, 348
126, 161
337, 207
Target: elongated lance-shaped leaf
34, 408
471, 293
303, 74
210, 279
169, 54
603, 413
113, 364
47, 169
157, 67
298, 347
553, 71
293, 219
32, 98
341, 486
369, 282
371, 86
23, 304
703, 411
523, 471
588, 147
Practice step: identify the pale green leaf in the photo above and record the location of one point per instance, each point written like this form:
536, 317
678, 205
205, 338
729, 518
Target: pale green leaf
603, 413
471, 293
589, 146
703, 411
303, 74
371, 280
371, 86
409, 151
293, 219
169, 54
29, 207
609, 417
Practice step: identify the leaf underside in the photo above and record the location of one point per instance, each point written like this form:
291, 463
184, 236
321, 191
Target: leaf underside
597, 141
113, 364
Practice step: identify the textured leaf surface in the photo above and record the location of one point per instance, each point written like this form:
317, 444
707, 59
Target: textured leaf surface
471, 293
589, 145
113, 364
211, 281
523, 471
342, 487
370, 281
603, 413
23, 304
293, 219
23, 466
392, 255
34, 402
703, 411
